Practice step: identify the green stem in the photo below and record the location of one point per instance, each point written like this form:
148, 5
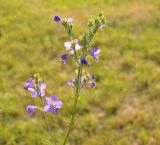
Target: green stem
44, 113
45, 116
78, 85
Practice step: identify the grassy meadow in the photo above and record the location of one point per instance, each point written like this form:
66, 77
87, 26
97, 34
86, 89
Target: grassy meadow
123, 109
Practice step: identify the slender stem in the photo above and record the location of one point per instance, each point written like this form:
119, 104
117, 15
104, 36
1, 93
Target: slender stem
45, 116
44, 113
76, 57
78, 85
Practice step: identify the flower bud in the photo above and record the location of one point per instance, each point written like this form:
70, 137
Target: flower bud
90, 23
97, 20
70, 25
35, 85
39, 79
34, 76
103, 20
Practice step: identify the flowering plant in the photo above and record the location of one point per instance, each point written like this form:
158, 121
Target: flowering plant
79, 49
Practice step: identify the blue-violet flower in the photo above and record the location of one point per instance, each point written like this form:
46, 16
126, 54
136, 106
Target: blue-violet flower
94, 53
64, 58
84, 61
70, 83
57, 19
34, 91
30, 109
52, 105
92, 84
29, 84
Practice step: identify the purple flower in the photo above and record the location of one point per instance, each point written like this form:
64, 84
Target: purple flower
64, 58
30, 109
70, 83
69, 20
91, 81
94, 53
41, 88
29, 84
34, 92
57, 19
102, 27
71, 46
84, 61
92, 84
52, 105
88, 80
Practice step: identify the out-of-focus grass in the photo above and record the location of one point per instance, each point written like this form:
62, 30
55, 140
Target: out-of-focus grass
124, 107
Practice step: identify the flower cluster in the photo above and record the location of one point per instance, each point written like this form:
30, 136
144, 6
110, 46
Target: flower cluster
72, 46
80, 48
37, 89
86, 80
60, 20
83, 41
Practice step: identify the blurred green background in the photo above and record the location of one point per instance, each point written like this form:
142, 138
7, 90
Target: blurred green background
124, 108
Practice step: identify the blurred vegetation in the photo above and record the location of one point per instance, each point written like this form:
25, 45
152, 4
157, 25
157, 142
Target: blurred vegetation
124, 109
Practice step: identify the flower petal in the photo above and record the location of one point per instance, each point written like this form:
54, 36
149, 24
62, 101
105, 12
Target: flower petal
77, 47
46, 108
54, 98
67, 44
70, 83
57, 19
34, 94
42, 93
72, 51
31, 89
64, 58
30, 109
92, 84
69, 20
97, 51
43, 86
58, 104
68, 48
94, 53
48, 100
29, 84
54, 110
84, 61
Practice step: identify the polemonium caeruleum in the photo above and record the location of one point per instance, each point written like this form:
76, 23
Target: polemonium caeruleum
78, 49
